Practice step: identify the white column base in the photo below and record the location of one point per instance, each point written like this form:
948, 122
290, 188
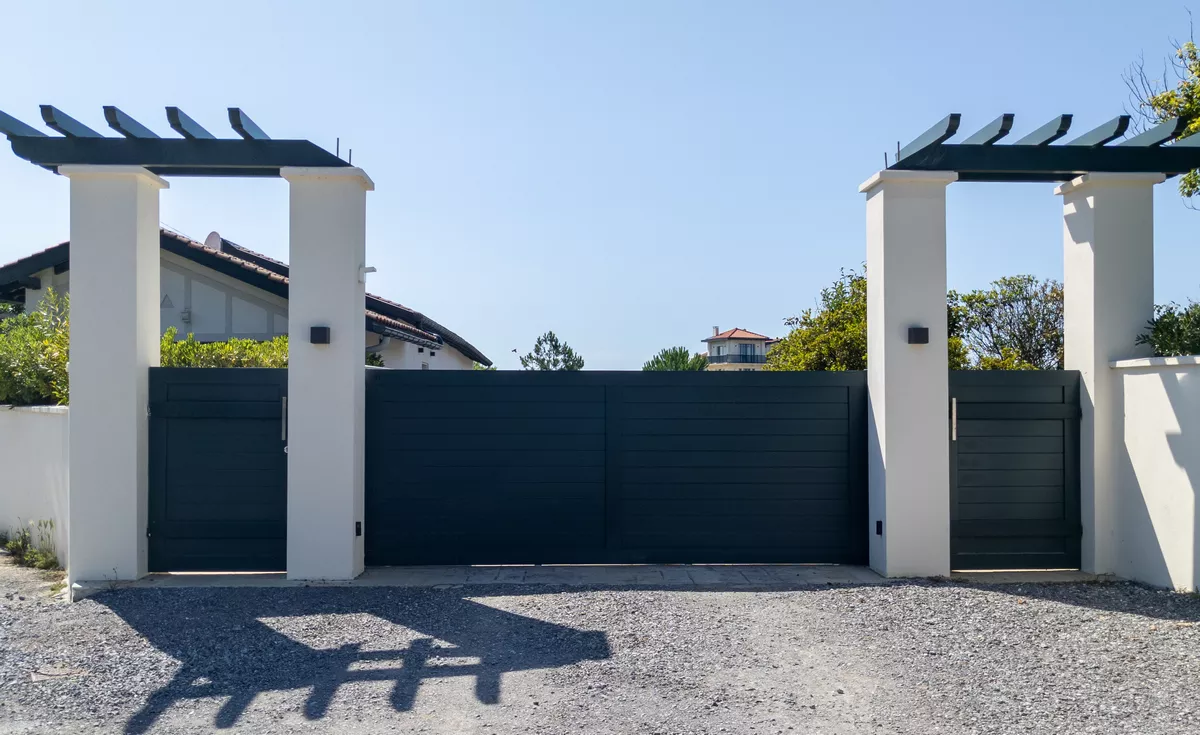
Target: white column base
326, 383
908, 385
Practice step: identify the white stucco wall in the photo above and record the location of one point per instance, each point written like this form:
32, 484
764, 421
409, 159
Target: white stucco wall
400, 355
33, 453
1156, 471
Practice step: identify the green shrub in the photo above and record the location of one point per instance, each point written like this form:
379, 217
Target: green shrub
233, 353
1174, 330
33, 353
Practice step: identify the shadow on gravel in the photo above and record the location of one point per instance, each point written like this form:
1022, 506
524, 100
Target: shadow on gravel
227, 651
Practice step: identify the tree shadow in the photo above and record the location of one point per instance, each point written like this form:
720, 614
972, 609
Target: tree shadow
1129, 598
226, 647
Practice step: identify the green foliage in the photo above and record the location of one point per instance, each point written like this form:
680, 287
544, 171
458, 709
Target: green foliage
233, 353
1155, 101
1174, 330
831, 337
7, 309
33, 353
30, 550
676, 358
1014, 325
481, 366
550, 353
374, 359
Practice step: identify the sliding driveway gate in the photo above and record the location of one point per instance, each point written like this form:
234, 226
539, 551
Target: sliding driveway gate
592, 467
595, 467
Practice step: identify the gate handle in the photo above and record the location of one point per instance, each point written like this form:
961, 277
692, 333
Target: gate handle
953, 419
285, 418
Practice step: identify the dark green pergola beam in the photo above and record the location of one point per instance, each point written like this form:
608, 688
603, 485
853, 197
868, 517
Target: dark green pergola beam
58, 120
944, 130
1109, 131
1159, 134
126, 125
244, 126
11, 126
993, 131
186, 126
1048, 133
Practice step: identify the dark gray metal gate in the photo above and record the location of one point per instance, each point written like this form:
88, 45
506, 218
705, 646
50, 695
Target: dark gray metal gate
1014, 470
594, 467
218, 470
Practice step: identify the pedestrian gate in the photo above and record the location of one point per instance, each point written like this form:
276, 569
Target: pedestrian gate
1014, 469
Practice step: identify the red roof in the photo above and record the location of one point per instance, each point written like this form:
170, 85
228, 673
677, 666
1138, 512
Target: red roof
737, 333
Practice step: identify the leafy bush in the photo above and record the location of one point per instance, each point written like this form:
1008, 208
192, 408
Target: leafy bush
1174, 330
33, 353
233, 353
30, 551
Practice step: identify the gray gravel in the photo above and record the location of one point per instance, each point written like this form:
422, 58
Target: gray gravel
902, 658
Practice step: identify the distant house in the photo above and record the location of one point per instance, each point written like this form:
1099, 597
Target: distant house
737, 349
218, 289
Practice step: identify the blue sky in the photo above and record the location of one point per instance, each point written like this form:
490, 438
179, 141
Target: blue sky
628, 174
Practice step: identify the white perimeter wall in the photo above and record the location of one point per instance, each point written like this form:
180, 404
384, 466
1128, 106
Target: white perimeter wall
33, 482
1157, 471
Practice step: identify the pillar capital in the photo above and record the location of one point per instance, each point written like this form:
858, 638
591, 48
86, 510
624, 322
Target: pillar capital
84, 171
329, 174
1096, 180
890, 176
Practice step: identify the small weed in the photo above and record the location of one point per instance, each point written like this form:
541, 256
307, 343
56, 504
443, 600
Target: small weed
58, 586
30, 552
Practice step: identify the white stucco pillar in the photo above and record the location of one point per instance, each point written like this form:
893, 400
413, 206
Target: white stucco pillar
114, 343
908, 384
1108, 296
326, 381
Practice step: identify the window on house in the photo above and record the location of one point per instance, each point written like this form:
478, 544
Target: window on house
746, 349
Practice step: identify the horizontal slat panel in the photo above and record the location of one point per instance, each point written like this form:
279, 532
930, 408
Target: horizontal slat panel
747, 494
237, 392
382, 432
491, 442
976, 478
788, 475
1009, 511
1023, 411
727, 443
221, 530
733, 510
734, 411
398, 489
490, 458
207, 510
731, 460
1014, 427
482, 475
1015, 528
1001, 545
497, 409
1009, 444
1009, 461
1008, 394
717, 427
204, 462
218, 409
437, 395
1014, 560
733, 394
182, 479
1005, 494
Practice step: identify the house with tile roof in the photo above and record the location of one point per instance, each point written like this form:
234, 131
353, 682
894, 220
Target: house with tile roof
218, 289
737, 349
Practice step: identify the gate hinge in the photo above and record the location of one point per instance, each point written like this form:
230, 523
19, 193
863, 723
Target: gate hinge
147, 410
147, 532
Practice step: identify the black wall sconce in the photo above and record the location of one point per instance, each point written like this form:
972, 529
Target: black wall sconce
319, 335
918, 335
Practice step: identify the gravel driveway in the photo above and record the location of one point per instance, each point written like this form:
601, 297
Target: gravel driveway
900, 658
